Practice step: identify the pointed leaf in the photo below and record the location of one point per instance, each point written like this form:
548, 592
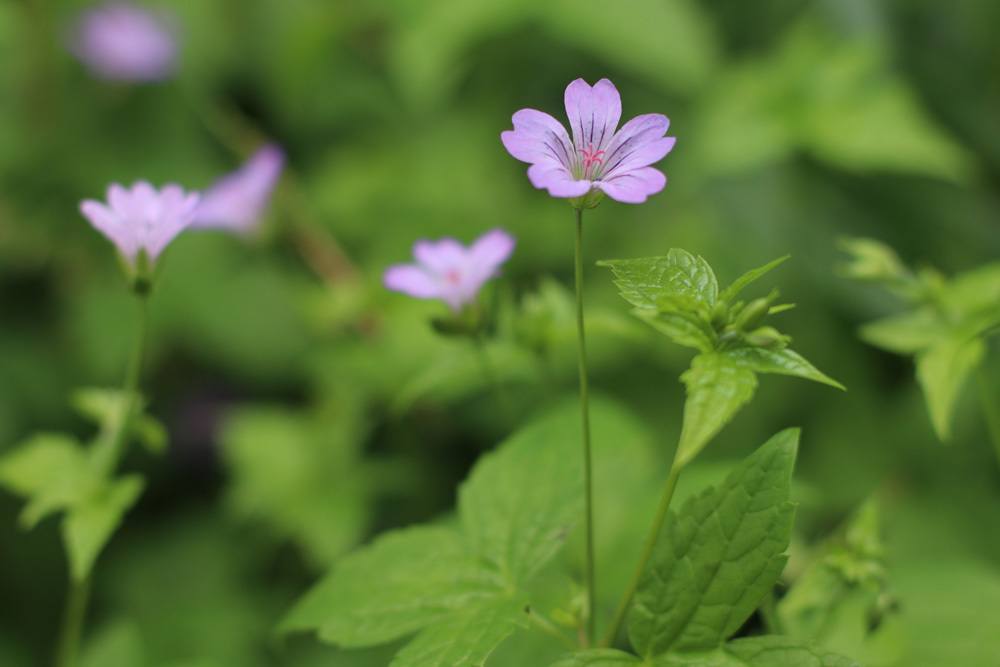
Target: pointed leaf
780, 651
750, 276
782, 362
907, 333
465, 638
717, 387
718, 556
51, 471
679, 274
521, 501
600, 657
404, 581
942, 370
685, 329
105, 407
89, 524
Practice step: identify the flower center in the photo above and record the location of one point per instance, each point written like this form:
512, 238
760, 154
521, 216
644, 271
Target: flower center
452, 277
592, 160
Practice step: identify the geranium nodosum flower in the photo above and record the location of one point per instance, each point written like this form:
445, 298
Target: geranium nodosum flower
141, 219
236, 202
121, 42
598, 159
449, 271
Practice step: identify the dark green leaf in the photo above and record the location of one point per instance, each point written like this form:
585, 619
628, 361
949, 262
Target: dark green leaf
718, 556
683, 328
601, 657
678, 275
750, 276
782, 362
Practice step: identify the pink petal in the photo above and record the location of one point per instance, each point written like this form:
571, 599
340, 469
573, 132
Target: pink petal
237, 201
593, 113
440, 257
634, 186
633, 135
538, 138
412, 280
640, 156
492, 249
106, 221
557, 180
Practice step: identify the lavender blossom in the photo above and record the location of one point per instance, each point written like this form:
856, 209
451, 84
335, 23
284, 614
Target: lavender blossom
237, 202
449, 271
119, 41
141, 219
598, 159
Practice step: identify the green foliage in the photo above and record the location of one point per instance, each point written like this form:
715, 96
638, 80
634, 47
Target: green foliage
945, 328
678, 294
718, 556
463, 588
770, 651
842, 600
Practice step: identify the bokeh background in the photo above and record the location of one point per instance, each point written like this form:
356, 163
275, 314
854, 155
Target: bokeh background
309, 409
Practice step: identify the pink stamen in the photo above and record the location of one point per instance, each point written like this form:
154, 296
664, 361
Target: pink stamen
452, 277
591, 157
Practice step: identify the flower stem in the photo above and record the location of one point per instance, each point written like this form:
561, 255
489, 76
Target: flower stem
489, 374
76, 610
991, 410
588, 482
647, 552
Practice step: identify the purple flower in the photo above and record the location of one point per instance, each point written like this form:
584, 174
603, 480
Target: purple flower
597, 159
449, 271
141, 218
236, 202
121, 42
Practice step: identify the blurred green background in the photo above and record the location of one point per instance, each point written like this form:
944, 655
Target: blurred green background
309, 409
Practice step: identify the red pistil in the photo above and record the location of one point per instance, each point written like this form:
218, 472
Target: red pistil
591, 157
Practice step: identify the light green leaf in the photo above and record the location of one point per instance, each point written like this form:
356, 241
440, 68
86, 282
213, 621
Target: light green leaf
779, 651
51, 471
678, 276
907, 333
717, 387
104, 407
89, 524
601, 657
718, 556
942, 370
782, 362
465, 638
404, 581
976, 290
683, 328
118, 644
521, 501
750, 276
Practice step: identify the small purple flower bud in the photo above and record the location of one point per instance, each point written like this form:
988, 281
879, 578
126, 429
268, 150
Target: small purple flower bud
449, 271
600, 158
237, 201
119, 41
141, 220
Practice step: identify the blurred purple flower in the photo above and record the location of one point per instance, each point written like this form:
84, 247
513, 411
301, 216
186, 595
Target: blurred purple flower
141, 218
449, 271
236, 202
119, 41
597, 158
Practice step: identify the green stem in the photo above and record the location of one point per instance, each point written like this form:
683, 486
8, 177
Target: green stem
112, 448
588, 481
489, 373
72, 629
647, 552
769, 614
991, 410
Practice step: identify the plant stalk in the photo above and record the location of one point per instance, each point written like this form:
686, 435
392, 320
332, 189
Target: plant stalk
72, 629
647, 552
588, 481
991, 410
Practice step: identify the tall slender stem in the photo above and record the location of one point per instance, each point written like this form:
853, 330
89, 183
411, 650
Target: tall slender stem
110, 449
588, 480
72, 629
647, 552
489, 374
991, 409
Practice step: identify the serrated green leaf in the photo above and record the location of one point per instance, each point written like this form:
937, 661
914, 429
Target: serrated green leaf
750, 276
521, 501
89, 524
404, 581
685, 329
465, 638
718, 556
907, 333
717, 387
678, 275
779, 651
51, 471
600, 657
942, 371
782, 362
